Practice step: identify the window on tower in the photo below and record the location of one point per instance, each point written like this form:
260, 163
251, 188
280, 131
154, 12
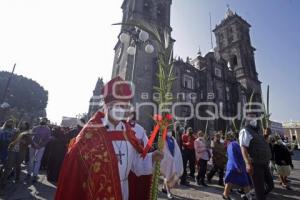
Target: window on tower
188, 82
253, 70
218, 72
221, 40
161, 10
227, 93
230, 35
233, 61
118, 70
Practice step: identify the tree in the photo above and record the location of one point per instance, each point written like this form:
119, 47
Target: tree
27, 98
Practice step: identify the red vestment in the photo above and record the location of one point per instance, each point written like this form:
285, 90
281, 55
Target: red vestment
139, 186
90, 169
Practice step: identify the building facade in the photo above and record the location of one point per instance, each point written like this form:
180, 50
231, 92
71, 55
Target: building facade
292, 131
276, 128
96, 101
217, 82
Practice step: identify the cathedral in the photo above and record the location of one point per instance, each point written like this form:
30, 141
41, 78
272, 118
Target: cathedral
219, 82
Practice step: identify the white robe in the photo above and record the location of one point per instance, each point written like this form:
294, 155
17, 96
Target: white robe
131, 160
171, 167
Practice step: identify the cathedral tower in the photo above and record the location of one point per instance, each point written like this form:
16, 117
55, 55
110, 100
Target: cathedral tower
140, 66
234, 46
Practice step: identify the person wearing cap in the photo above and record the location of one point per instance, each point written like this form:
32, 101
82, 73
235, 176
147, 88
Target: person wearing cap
257, 155
40, 137
98, 162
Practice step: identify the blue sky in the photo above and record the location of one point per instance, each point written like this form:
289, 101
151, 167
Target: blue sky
66, 45
275, 34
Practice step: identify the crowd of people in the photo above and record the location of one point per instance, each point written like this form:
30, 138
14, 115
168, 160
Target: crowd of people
39, 147
110, 157
247, 160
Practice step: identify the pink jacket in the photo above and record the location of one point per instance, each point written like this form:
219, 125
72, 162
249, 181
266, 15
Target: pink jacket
202, 152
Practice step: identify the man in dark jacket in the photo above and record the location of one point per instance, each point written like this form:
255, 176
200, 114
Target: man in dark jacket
283, 161
257, 155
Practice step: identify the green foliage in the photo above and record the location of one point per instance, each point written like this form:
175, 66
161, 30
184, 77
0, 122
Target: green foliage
266, 116
24, 94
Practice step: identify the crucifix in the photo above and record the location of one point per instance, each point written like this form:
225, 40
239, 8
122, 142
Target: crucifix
119, 155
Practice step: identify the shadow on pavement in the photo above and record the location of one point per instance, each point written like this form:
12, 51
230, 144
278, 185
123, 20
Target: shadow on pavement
23, 191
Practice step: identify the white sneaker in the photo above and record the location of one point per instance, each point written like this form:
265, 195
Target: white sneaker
249, 196
169, 195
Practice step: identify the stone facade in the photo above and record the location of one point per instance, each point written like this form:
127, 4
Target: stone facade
292, 131
225, 76
234, 46
141, 68
213, 83
96, 100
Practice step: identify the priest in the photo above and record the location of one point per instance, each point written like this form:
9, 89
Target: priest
99, 160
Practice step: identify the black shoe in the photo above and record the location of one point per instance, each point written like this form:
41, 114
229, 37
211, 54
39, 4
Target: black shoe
204, 184
164, 191
288, 188
199, 182
192, 176
208, 180
34, 179
226, 198
221, 184
185, 183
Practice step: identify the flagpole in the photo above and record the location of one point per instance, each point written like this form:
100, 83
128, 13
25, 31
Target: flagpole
210, 30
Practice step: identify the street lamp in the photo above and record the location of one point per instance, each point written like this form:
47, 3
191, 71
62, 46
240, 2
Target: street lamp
4, 105
134, 38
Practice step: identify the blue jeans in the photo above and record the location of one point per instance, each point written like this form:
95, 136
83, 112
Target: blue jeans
35, 158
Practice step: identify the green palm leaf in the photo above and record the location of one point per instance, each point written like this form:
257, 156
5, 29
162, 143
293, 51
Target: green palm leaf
165, 78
